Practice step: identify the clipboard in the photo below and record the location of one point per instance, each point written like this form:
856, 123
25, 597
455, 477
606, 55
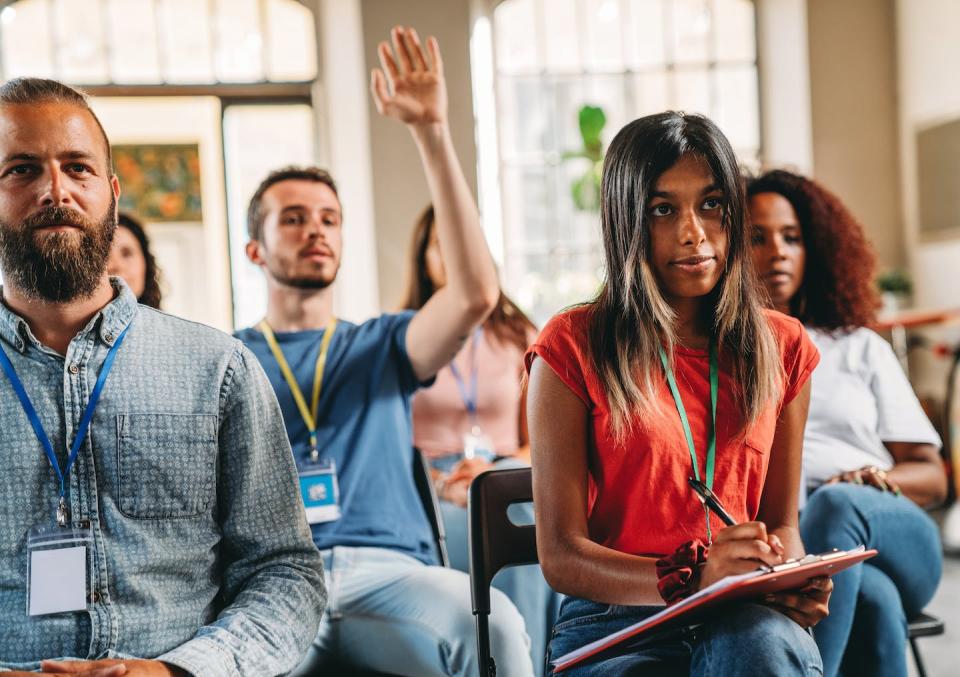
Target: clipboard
699, 606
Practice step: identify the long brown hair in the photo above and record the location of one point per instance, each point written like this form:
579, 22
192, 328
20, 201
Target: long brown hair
507, 322
630, 318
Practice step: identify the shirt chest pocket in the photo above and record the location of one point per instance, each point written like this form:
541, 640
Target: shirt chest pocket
167, 464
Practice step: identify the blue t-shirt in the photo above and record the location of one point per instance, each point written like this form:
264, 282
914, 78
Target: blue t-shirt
365, 426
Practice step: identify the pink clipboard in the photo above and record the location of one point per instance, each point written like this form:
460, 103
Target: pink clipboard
697, 607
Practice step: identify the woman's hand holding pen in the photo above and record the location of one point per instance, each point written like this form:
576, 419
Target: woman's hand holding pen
739, 549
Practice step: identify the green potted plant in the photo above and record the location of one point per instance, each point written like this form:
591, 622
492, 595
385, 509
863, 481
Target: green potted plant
895, 290
585, 190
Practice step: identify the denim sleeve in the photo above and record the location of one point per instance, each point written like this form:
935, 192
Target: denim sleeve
272, 590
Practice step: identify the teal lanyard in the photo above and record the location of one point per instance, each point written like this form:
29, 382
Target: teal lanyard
712, 442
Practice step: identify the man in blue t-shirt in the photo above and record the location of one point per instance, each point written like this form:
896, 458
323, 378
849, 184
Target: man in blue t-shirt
345, 390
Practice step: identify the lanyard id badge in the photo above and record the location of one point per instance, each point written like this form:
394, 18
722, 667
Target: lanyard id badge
319, 488
57, 566
320, 492
681, 410
475, 442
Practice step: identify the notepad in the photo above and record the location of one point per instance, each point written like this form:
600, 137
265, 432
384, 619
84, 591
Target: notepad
695, 608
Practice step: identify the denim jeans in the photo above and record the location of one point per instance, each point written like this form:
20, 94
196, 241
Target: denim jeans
389, 612
866, 631
746, 640
525, 585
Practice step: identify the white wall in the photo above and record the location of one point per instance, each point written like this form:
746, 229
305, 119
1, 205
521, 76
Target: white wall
928, 33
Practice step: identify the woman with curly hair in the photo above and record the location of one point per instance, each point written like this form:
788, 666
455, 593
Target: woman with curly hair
131, 260
870, 456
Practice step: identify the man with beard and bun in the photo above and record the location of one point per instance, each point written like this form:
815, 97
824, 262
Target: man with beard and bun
151, 523
345, 393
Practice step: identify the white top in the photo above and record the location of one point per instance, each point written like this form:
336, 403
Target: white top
859, 399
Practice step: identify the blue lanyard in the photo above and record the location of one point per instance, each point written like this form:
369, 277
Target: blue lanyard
31, 413
469, 393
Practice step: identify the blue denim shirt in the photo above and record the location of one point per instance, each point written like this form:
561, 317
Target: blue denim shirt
201, 553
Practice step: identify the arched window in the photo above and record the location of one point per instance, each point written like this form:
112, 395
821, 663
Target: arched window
230, 81
628, 58
101, 42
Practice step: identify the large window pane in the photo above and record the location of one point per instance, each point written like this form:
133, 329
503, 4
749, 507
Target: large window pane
291, 41
629, 57
134, 50
691, 91
186, 41
27, 42
604, 36
736, 34
690, 31
645, 27
514, 36
738, 105
258, 139
523, 115
239, 42
651, 93
561, 36
81, 52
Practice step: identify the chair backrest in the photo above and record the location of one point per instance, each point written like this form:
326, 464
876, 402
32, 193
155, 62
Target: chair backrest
495, 541
431, 504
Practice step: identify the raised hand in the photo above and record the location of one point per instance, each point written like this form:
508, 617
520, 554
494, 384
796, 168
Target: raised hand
409, 87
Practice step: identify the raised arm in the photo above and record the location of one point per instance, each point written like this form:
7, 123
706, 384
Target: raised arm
411, 88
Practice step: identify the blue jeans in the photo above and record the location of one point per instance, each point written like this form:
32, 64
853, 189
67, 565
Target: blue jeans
525, 586
866, 631
391, 613
748, 639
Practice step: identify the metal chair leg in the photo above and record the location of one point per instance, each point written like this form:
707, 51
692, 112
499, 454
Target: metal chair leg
921, 670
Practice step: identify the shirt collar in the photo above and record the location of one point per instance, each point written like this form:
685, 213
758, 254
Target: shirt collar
112, 319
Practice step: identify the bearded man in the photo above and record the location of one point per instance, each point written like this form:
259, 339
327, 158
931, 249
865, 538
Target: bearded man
151, 522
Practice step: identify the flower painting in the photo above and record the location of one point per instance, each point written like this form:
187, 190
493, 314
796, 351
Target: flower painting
159, 182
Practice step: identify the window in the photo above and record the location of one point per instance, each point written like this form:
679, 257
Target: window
238, 78
628, 57
99, 42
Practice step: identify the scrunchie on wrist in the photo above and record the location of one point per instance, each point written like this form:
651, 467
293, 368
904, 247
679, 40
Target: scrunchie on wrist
679, 574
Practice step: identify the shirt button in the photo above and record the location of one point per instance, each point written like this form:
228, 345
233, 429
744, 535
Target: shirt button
94, 597
74, 369
108, 337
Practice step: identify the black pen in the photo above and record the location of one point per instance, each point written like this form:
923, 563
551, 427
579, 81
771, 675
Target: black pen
709, 499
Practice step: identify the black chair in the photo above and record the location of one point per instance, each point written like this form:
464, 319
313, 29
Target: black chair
431, 504
496, 543
923, 625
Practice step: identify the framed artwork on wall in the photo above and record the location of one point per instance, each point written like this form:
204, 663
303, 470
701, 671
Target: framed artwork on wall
160, 182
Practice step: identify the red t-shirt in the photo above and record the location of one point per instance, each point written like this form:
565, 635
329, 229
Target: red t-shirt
639, 499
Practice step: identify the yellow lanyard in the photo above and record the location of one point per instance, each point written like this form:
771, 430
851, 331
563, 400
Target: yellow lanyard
309, 415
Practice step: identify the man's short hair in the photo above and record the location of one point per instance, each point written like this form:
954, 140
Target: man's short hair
32, 91
255, 215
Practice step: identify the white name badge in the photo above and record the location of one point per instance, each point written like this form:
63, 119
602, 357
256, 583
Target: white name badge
57, 570
478, 445
320, 492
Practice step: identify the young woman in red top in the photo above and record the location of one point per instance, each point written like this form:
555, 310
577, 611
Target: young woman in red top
610, 451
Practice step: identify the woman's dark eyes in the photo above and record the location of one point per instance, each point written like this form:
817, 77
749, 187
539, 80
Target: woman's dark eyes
661, 210
712, 203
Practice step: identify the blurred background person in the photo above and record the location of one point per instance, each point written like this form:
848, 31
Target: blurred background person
471, 420
132, 260
871, 457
